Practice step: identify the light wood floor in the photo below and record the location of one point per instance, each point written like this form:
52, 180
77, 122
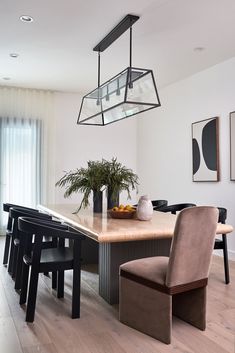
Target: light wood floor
98, 330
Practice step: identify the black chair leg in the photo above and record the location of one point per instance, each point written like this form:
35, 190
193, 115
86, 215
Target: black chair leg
18, 279
226, 264
24, 284
60, 286
14, 262
32, 296
76, 292
54, 279
6, 249
10, 263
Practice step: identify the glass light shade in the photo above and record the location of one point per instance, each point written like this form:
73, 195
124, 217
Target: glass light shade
130, 92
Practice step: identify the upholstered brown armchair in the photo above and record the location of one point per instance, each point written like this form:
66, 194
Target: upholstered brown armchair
151, 289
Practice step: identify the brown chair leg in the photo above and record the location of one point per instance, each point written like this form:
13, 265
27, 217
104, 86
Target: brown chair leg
145, 309
191, 307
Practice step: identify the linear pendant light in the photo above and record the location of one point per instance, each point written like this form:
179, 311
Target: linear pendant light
130, 92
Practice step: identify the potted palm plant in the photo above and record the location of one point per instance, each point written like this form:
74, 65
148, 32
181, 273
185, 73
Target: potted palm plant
118, 178
86, 181
99, 175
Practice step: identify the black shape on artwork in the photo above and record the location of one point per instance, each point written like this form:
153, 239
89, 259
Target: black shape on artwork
196, 156
209, 145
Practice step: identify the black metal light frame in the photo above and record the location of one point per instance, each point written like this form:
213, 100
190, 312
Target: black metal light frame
116, 32
125, 24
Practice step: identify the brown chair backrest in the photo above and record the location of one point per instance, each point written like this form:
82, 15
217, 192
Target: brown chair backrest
192, 245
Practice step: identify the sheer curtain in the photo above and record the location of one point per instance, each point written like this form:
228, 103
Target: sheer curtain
26, 120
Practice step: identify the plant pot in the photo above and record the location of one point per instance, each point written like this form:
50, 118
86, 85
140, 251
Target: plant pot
97, 201
112, 200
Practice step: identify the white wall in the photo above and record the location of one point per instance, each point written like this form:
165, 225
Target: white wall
76, 144
164, 146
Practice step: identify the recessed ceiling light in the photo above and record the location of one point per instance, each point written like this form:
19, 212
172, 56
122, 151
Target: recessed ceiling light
199, 49
6, 78
14, 55
25, 18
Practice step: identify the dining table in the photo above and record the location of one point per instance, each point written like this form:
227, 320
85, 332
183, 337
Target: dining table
111, 242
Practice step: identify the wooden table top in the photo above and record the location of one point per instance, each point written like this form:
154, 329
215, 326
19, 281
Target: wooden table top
104, 229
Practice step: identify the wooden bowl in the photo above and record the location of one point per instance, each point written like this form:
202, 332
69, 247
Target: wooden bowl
122, 214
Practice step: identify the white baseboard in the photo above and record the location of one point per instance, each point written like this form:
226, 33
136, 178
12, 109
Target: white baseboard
231, 254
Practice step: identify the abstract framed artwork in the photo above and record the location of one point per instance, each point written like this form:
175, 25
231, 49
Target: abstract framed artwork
232, 145
205, 146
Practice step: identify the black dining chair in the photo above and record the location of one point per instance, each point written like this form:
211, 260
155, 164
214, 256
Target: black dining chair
16, 252
6, 208
48, 242
175, 208
54, 259
221, 244
14, 243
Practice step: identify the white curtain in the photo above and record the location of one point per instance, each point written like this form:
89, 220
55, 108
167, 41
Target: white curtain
20, 162
26, 122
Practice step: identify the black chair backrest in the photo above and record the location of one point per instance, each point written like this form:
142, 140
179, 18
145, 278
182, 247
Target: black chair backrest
15, 213
156, 203
49, 223
42, 228
159, 203
7, 206
222, 215
175, 208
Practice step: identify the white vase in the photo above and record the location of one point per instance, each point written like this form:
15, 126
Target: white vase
144, 209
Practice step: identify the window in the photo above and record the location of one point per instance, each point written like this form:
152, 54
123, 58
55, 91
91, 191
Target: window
20, 162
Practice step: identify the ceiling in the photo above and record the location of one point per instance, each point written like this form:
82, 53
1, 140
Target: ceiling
55, 50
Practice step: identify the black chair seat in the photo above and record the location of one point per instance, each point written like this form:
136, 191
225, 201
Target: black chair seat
56, 255
51, 258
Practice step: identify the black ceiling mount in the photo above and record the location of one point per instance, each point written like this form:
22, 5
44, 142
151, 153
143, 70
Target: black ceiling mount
128, 93
116, 32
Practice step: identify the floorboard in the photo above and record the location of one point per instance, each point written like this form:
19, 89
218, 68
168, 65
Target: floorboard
98, 330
